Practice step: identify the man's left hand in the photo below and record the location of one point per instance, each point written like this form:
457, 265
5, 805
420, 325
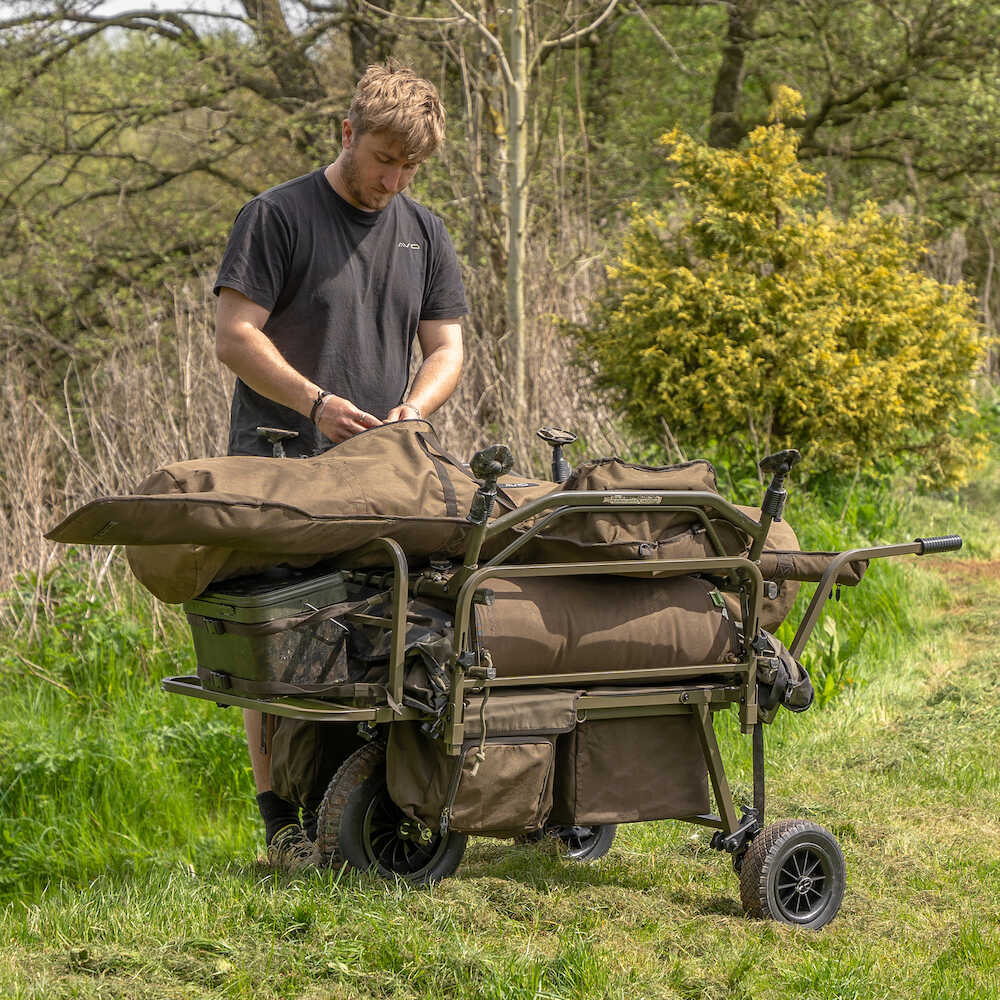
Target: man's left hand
403, 412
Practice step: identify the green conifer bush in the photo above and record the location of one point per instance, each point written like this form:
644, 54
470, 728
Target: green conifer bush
749, 320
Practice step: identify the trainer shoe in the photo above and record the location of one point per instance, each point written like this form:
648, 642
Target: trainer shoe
291, 850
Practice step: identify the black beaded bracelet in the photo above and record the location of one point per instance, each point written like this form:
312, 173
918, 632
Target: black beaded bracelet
321, 395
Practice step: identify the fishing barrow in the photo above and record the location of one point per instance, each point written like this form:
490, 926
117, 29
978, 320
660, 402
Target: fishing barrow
498, 694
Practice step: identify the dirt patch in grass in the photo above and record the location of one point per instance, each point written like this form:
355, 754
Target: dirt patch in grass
972, 570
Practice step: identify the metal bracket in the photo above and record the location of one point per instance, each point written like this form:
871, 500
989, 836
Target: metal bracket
736, 841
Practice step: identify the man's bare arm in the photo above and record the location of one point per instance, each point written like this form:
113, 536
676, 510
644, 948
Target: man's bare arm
441, 344
242, 346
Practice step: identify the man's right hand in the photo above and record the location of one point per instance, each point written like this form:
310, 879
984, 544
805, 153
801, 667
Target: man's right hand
341, 419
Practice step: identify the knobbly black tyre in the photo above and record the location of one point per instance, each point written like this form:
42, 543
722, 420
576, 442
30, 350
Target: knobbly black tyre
358, 823
793, 872
585, 843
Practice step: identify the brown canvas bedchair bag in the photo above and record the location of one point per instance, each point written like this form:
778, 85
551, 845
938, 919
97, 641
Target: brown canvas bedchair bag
195, 523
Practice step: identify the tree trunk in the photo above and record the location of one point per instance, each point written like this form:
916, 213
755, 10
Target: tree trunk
518, 193
726, 129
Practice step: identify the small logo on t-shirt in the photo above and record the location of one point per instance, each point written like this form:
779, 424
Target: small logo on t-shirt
408, 246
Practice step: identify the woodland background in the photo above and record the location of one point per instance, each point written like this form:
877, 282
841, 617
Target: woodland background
129, 138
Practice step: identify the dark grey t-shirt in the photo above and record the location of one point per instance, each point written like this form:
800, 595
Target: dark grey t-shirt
345, 290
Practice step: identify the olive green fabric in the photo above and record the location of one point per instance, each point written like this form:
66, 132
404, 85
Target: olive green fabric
624, 770
509, 789
781, 681
782, 564
305, 756
655, 534
559, 625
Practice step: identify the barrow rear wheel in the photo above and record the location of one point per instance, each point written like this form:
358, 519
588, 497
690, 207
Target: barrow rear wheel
585, 843
360, 824
793, 872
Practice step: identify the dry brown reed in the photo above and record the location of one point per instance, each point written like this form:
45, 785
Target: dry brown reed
160, 396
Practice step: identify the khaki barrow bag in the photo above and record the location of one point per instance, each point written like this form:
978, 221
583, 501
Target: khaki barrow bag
577, 624
501, 782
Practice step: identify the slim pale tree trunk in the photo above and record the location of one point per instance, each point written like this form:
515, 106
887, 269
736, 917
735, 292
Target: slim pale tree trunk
518, 194
516, 65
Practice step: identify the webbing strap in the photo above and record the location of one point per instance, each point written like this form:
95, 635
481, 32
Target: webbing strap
215, 680
440, 455
331, 611
450, 496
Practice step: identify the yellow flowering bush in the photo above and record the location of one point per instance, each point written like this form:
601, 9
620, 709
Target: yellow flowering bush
748, 322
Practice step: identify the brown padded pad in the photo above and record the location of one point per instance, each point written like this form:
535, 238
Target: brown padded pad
561, 625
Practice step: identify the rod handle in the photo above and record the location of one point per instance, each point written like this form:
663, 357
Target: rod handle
944, 543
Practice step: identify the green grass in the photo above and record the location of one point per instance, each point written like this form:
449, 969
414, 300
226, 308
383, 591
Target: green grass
128, 838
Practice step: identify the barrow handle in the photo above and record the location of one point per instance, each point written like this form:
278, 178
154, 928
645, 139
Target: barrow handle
944, 543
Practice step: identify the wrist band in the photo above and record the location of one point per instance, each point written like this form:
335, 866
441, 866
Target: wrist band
318, 404
322, 407
410, 406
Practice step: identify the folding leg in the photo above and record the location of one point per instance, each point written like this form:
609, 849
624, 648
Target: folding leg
716, 773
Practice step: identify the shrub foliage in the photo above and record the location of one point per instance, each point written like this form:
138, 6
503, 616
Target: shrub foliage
748, 321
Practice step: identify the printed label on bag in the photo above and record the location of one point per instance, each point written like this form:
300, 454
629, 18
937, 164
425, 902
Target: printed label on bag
632, 498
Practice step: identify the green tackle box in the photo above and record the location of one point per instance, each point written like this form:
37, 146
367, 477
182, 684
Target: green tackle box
264, 635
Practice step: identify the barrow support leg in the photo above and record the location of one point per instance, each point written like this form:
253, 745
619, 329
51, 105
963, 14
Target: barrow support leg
736, 832
716, 772
758, 771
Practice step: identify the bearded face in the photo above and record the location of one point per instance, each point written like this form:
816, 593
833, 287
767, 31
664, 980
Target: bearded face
374, 168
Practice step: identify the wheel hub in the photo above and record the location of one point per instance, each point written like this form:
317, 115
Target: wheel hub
801, 883
804, 885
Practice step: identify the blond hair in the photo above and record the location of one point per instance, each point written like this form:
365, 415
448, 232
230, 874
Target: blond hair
391, 98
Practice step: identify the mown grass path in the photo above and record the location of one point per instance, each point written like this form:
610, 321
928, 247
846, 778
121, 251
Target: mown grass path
905, 769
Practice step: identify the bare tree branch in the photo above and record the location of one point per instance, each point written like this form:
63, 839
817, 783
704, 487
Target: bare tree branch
491, 40
574, 35
660, 37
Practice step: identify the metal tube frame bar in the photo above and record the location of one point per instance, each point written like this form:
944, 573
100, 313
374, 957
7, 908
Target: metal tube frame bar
400, 603
292, 707
716, 770
623, 501
826, 584
565, 509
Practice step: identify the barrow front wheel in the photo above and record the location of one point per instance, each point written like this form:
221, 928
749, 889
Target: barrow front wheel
360, 824
793, 872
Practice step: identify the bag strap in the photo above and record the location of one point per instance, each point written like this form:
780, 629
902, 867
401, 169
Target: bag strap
450, 496
439, 455
219, 681
218, 626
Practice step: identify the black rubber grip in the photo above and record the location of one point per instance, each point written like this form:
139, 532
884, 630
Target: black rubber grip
946, 543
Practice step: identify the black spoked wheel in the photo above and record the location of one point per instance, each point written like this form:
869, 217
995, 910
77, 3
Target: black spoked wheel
585, 843
360, 824
793, 872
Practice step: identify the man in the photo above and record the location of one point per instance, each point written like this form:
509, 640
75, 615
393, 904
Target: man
324, 284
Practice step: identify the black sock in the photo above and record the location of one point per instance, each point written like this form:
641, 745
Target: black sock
276, 813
